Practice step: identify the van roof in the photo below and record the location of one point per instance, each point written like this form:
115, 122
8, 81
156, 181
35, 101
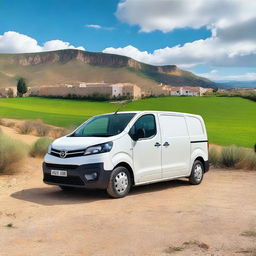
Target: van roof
157, 112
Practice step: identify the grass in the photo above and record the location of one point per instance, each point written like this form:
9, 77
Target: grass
12, 152
229, 120
249, 234
187, 245
233, 157
40, 147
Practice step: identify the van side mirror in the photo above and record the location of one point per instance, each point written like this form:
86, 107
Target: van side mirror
140, 133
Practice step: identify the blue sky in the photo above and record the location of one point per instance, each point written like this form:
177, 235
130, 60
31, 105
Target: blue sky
153, 31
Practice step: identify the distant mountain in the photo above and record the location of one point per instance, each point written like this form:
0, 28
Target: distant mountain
238, 84
69, 66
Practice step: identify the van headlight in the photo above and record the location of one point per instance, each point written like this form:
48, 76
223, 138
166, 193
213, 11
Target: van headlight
49, 149
101, 148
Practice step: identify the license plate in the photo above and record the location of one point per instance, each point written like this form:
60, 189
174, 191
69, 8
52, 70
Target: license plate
59, 173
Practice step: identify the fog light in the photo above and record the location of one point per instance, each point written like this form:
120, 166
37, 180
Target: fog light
91, 176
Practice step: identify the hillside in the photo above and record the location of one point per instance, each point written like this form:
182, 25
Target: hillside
67, 66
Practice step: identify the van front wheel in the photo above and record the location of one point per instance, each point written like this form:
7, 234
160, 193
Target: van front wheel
197, 173
119, 182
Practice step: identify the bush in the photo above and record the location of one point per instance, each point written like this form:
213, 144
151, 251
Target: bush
34, 126
26, 127
58, 132
12, 152
233, 157
214, 158
40, 147
10, 124
41, 129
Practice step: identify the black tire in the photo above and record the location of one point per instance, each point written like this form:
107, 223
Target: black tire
196, 175
122, 175
66, 188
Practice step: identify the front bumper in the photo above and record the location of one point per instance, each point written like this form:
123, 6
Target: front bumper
76, 175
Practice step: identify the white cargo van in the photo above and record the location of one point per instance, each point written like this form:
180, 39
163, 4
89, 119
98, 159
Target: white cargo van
118, 150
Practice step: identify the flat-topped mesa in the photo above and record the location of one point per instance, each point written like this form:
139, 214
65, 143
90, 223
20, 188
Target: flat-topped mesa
70, 65
64, 56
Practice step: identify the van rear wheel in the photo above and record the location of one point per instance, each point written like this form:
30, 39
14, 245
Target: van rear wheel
119, 182
197, 173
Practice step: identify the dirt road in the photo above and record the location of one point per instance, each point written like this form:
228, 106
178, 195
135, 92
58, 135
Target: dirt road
153, 220
170, 218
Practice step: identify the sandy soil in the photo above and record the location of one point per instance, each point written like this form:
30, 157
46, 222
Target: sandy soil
38, 220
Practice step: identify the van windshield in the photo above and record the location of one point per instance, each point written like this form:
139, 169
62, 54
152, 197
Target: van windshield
104, 126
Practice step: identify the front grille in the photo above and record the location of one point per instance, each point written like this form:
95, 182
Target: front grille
71, 153
61, 166
70, 180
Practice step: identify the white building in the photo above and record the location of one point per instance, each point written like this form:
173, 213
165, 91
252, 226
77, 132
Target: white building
188, 91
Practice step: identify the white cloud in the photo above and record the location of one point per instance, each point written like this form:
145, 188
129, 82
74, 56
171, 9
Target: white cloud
93, 26
214, 75
13, 42
96, 26
232, 23
166, 15
211, 51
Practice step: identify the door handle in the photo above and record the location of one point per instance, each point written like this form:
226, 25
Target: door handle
166, 144
157, 144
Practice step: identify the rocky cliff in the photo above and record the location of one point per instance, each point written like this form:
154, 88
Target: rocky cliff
69, 65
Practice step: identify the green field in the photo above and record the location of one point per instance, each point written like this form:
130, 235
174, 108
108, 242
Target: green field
228, 120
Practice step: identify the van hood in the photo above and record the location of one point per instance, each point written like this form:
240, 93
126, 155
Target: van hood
74, 143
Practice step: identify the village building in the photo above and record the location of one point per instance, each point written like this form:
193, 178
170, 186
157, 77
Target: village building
189, 91
4, 92
118, 90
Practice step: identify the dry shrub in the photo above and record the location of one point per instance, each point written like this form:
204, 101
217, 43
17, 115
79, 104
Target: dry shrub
40, 147
214, 156
36, 127
41, 129
10, 124
12, 152
2, 122
26, 127
58, 132
248, 161
233, 157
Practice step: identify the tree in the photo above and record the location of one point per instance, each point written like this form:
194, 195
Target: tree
10, 93
21, 87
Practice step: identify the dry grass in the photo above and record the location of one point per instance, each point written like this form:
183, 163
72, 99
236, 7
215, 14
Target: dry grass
249, 234
187, 245
233, 157
58, 132
10, 124
41, 129
2, 122
26, 127
12, 152
38, 128
40, 147
249, 252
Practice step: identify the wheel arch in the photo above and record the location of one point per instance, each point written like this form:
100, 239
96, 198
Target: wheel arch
129, 168
201, 159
